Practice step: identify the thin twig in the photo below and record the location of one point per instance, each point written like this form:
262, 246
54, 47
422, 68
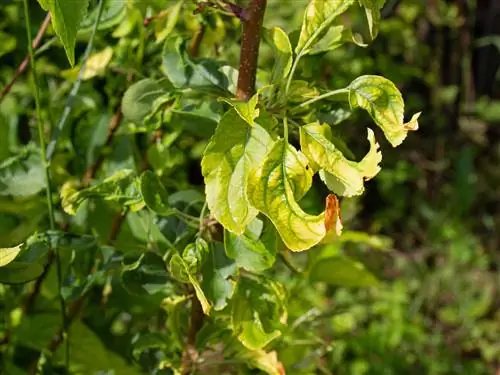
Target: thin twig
24, 64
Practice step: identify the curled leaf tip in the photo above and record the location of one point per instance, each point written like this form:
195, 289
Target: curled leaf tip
412, 125
332, 215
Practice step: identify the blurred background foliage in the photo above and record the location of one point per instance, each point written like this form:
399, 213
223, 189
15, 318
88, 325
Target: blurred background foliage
428, 225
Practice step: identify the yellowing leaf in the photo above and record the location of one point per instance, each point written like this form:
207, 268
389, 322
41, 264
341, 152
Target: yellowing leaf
383, 101
342, 176
95, 66
274, 189
235, 148
318, 17
8, 254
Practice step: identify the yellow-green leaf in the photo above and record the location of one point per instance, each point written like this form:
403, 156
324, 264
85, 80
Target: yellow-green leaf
7, 255
318, 18
342, 176
274, 188
237, 146
282, 54
383, 101
122, 188
372, 10
96, 65
66, 18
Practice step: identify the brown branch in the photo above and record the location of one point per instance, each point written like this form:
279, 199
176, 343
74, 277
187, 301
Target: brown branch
195, 323
250, 41
194, 47
24, 64
155, 17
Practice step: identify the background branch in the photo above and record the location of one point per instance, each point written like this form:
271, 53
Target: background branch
24, 64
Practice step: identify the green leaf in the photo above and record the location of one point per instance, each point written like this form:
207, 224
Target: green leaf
283, 55
236, 146
255, 249
258, 307
274, 188
218, 271
342, 271
66, 18
181, 271
342, 176
202, 74
18, 272
113, 13
372, 10
22, 175
318, 18
145, 273
383, 101
154, 194
89, 355
7, 255
121, 188
141, 99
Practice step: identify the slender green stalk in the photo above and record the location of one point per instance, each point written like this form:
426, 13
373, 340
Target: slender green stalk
76, 87
291, 74
46, 166
285, 128
324, 96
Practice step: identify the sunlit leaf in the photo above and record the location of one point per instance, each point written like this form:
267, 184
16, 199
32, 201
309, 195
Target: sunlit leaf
96, 65
257, 310
121, 188
265, 361
372, 10
274, 189
236, 146
342, 176
282, 54
7, 255
66, 18
181, 271
383, 101
318, 18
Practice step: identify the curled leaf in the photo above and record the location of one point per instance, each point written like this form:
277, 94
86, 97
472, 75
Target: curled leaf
274, 189
383, 101
342, 176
